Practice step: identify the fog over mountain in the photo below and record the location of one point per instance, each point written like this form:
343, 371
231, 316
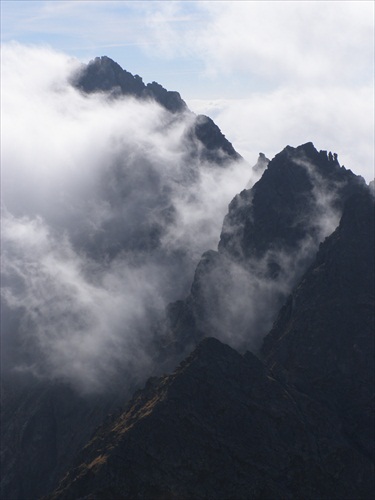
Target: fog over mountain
269, 238
107, 205
137, 241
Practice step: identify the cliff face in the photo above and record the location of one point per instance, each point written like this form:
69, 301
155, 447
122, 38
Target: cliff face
323, 338
104, 75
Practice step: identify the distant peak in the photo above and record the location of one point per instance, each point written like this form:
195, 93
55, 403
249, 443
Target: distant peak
102, 74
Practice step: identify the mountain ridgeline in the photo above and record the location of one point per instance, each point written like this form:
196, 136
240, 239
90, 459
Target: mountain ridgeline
106, 76
261, 379
269, 237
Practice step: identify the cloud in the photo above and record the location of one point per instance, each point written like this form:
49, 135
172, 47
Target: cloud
238, 292
293, 42
284, 41
80, 321
273, 43
333, 118
106, 210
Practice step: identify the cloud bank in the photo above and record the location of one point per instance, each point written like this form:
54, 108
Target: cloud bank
105, 215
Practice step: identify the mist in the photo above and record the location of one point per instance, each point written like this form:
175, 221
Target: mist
242, 291
106, 211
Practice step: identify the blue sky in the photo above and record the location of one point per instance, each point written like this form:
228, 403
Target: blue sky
269, 73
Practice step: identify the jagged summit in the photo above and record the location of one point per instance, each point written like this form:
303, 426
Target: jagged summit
308, 152
104, 74
275, 212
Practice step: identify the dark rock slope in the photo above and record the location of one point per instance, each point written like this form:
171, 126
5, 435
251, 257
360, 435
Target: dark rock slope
323, 339
104, 75
44, 423
220, 427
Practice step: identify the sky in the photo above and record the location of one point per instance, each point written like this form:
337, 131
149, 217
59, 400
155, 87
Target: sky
270, 73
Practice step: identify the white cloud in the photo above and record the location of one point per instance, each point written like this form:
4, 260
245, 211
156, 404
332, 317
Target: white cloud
87, 183
333, 118
279, 42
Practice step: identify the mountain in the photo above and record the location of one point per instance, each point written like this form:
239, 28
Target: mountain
269, 352
139, 224
104, 75
269, 237
123, 221
226, 425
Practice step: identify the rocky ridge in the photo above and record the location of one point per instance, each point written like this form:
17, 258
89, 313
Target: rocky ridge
269, 237
104, 75
226, 425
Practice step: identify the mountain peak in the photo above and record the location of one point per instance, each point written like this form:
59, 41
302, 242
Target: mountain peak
102, 74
